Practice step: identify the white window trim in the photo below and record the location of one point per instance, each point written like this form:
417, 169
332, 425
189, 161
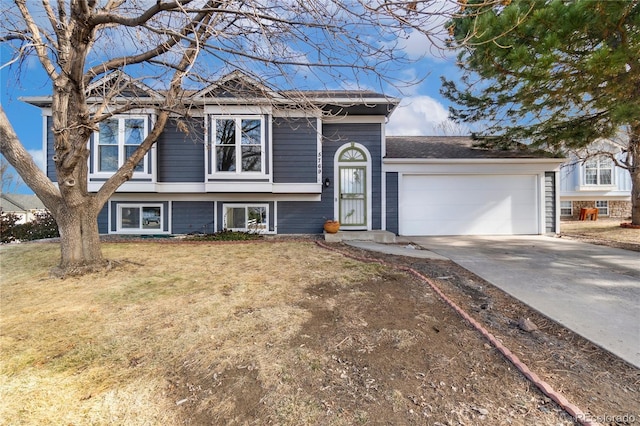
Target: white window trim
602, 211
146, 173
121, 230
246, 206
238, 173
570, 208
583, 174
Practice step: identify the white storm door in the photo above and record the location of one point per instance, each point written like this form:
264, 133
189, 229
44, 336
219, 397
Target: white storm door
353, 196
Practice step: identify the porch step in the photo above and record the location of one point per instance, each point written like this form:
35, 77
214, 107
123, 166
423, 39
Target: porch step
377, 236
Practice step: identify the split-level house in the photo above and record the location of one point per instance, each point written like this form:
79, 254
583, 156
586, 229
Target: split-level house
247, 158
596, 182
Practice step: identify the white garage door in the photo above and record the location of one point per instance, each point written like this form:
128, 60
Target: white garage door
468, 205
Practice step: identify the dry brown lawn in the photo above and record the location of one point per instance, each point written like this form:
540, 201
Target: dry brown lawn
602, 231
268, 333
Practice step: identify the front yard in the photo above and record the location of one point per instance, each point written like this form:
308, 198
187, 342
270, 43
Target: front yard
278, 333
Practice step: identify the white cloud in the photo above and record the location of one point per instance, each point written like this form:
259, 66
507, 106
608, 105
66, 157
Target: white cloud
422, 116
38, 157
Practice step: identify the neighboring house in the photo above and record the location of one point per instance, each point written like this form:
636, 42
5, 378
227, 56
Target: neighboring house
247, 159
22, 205
595, 183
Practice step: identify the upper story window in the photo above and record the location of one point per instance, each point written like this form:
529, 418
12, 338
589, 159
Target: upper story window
238, 144
117, 138
598, 171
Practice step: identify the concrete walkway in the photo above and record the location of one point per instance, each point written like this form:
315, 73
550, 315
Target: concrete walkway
592, 290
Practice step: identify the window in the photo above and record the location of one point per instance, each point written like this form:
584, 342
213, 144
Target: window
140, 218
252, 218
566, 208
117, 138
238, 144
603, 208
598, 171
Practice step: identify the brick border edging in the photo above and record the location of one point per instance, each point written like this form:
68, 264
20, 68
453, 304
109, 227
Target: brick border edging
573, 410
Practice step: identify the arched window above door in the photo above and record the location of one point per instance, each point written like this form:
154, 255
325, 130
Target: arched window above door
352, 154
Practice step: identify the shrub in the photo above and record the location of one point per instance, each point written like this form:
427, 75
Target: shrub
226, 235
7, 225
42, 226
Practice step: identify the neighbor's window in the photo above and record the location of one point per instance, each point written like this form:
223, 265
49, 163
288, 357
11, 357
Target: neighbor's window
238, 144
603, 208
117, 138
598, 171
252, 218
566, 208
142, 218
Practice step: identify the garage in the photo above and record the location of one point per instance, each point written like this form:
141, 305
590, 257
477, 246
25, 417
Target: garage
440, 185
468, 204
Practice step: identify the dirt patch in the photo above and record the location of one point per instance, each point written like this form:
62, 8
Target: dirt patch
598, 382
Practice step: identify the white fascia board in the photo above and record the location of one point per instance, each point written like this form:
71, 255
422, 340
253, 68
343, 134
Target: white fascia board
354, 119
213, 197
215, 109
297, 188
596, 195
354, 100
296, 113
464, 166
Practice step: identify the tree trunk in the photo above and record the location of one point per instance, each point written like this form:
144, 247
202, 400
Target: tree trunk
79, 240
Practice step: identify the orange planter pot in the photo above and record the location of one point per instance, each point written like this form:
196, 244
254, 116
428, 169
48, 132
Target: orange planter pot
331, 226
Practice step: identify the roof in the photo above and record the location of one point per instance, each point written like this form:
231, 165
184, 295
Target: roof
450, 147
20, 202
237, 88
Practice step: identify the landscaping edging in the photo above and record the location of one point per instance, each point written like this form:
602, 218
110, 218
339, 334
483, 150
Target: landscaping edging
574, 411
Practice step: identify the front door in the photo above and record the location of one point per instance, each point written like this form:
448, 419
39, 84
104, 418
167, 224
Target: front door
352, 201
353, 196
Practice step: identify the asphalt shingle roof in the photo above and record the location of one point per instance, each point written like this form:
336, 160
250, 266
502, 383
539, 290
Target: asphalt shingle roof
450, 147
20, 202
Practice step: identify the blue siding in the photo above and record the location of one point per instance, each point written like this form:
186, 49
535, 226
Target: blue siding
51, 166
181, 155
192, 216
308, 217
295, 143
103, 220
550, 201
392, 202
370, 135
299, 217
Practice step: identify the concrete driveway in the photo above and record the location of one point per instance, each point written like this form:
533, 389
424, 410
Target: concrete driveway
592, 290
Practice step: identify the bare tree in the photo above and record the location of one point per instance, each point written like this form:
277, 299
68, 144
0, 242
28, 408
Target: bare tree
171, 45
8, 179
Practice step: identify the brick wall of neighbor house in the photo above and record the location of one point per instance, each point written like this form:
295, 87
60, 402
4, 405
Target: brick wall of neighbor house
617, 208
620, 209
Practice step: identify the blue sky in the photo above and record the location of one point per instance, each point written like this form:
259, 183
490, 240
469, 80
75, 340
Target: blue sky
422, 110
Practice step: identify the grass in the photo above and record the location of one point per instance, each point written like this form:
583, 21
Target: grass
102, 349
603, 229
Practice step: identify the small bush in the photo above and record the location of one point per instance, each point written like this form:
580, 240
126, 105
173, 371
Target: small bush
42, 226
7, 225
226, 235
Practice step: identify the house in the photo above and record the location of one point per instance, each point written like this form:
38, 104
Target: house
24, 206
250, 158
595, 183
